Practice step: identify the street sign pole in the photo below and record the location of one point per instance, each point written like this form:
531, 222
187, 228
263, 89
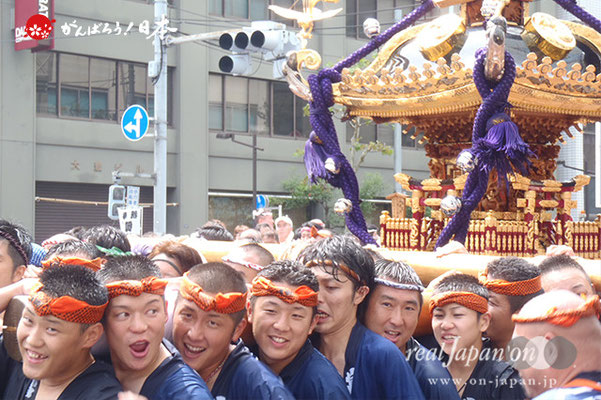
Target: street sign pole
160, 126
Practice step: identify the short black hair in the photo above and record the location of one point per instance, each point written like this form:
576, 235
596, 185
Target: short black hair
108, 237
18, 236
461, 283
560, 262
75, 281
263, 255
216, 277
342, 250
399, 272
77, 232
514, 269
214, 232
133, 268
73, 247
291, 273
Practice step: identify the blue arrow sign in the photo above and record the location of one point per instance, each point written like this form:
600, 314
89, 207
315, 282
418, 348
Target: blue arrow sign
134, 122
262, 201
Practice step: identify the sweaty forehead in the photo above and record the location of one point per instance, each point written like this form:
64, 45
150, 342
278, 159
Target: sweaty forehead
400, 295
50, 319
135, 302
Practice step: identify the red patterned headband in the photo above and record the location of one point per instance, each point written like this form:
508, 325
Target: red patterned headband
303, 295
227, 303
151, 284
519, 288
466, 299
247, 264
94, 264
591, 307
340, 266
66, 308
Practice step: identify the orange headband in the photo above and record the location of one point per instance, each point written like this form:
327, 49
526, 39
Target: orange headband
591, 307
65, 307
303, 295
151, 284
227, 303
341, 266
519, 288
466, 299
94, 264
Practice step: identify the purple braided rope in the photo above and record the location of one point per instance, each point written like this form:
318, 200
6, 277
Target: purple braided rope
494, 99
324, 143
576, 10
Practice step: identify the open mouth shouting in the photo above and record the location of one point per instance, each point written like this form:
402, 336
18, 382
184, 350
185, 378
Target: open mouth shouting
140, 348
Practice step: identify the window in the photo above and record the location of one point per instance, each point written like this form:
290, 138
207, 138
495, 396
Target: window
46, 82
255, 10
93, 88
384, 11
247, 106
370, 132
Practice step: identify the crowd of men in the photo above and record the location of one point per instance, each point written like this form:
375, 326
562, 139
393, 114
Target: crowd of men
94, 314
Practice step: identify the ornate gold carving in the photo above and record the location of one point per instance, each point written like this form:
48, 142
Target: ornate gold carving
308, 58
403, 180
548, 203
307, 17
551, 186
581, 181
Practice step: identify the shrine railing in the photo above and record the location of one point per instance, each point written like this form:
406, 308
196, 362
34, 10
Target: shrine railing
491, 236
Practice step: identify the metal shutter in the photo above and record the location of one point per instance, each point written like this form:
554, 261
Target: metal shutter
52, 218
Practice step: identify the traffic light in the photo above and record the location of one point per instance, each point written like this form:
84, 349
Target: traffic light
266, 37
116, 200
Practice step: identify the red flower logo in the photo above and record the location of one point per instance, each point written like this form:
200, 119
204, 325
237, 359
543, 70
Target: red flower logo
38, 27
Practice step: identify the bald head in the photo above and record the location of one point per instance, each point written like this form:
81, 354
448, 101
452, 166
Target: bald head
577, 347
561, 300
249, 259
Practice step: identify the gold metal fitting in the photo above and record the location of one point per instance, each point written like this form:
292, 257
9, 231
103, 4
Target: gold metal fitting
440, 36
545, 33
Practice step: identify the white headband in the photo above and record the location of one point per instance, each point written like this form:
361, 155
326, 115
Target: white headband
396, 285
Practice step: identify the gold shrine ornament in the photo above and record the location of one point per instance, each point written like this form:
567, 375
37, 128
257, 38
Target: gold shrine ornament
545, 33
440, 36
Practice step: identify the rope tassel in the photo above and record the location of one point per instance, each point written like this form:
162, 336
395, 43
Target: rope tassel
496, 143
323, 142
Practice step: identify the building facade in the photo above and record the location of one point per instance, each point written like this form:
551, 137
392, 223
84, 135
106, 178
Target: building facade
60, 137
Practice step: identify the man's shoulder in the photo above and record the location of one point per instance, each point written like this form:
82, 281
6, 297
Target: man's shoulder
319, 367
380, 348
98, 381
257, 379
174, 379
249, 366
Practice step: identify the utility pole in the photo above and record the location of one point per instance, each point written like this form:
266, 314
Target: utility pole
398, 132
160, 125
